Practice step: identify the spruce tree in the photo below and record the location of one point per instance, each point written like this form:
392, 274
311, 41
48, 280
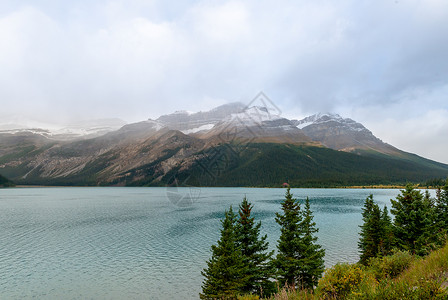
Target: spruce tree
387, 233
370, 234
299, 261
288, 258
224, 275
376, 235
254, 250
313, 254
442, 207
413, 221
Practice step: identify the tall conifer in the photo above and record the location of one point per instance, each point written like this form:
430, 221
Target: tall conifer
313, 254
376, 235
224, 275
387, 233
254, 250
442, 207
413, 221
299, 261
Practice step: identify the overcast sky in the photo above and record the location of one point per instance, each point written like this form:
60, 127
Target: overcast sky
382, 63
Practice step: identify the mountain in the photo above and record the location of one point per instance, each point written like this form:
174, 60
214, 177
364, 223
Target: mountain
231, 145
345, 134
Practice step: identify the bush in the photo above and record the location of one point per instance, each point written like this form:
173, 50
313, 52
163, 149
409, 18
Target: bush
340, 281
390, 266
393, 290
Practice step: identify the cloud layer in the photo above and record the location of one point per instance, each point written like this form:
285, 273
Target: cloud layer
383, 63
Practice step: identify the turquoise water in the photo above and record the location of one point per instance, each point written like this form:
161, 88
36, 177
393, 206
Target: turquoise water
144, 243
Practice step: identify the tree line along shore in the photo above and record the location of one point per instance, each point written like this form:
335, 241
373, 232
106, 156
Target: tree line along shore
403, 253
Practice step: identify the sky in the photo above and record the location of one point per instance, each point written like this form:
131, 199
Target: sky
382, 63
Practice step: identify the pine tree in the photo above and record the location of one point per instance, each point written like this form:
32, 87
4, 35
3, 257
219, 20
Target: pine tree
224, 275
299, 261
254, 251
413, 221
376, 231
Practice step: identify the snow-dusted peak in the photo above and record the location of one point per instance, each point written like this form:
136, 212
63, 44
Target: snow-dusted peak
328, 116
318, 118
254, 115
183, 112
335, 119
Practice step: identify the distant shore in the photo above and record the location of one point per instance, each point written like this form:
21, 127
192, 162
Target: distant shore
379, 187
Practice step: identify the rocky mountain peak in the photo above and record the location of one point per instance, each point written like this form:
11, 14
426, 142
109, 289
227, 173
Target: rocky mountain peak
250, 116
340, 133
188, 122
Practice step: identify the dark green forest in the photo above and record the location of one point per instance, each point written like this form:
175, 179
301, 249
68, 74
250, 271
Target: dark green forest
271, 165
252, 165
5, 182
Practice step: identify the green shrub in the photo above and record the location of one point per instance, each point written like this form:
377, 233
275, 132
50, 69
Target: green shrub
340, 281
390, 266
397, 290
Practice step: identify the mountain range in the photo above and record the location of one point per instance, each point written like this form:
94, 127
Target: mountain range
231, 145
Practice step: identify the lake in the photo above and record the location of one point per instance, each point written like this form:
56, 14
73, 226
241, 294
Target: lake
145, 243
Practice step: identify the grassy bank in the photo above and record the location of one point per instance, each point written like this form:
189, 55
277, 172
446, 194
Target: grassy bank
399, 276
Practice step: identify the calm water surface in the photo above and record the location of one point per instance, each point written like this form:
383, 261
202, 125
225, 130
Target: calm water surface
144, 243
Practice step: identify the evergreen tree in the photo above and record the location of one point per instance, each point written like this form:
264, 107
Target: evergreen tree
313, 254
387, 233
254, 251
299, 261
288, 257
442, 207
370, 234
224, 275
376, 231
413, 221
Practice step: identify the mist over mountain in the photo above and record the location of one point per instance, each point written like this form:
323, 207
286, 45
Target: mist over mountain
231, 145
74, 130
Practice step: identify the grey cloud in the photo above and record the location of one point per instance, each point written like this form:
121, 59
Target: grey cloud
139, 59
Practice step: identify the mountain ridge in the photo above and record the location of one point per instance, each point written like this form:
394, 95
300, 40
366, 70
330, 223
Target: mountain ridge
230, 141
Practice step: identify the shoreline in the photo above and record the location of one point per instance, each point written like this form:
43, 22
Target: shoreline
379, 187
